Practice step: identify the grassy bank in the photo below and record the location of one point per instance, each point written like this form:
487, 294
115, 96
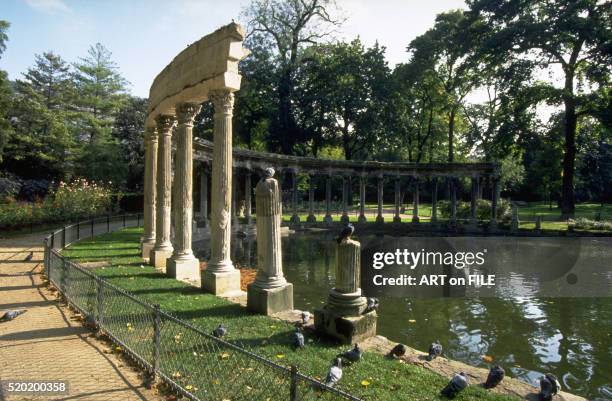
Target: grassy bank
388, 379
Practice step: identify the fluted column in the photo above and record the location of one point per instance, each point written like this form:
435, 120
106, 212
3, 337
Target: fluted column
345, 298
163, 248
434, 200
473, 218
204, 196
328, 218
221, 277
345, 217
494, 198
295, 218
247, 197
453, 201
234, 207
150, 190
183, 265
362, 199
415, 206
396, 216
311, 216
379, 216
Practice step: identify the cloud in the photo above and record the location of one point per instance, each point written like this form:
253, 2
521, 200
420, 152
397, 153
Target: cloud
48, 6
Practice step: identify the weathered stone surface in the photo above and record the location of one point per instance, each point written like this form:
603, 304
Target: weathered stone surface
184, 270
347, 329
158, 258
269, 301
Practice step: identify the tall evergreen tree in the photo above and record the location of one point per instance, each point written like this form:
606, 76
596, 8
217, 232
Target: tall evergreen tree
6, 130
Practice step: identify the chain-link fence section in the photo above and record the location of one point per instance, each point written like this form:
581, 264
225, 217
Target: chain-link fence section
194, 363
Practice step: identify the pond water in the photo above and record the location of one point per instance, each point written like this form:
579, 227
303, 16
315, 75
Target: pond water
519, 325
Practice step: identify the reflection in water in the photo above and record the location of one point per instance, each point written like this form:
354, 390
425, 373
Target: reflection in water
527, 334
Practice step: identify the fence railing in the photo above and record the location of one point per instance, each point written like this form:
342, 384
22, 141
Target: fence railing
191, 361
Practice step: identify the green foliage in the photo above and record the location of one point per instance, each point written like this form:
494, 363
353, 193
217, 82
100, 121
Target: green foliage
582, 223
71, 201
483, 209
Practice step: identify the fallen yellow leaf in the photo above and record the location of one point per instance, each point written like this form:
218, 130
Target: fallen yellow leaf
365, 383
280, 356
487, 358
224, 355
412, 321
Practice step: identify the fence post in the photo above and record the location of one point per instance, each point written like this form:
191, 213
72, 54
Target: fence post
108, 223
46, 257
53, 240
64, 237
100, 303
294, 385
156, 341
63, 278
92, 227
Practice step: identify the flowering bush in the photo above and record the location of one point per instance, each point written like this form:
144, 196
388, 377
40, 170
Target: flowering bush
71, 201
582, 223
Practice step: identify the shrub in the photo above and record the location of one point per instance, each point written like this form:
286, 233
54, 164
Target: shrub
72, 201
583, 223
483, 209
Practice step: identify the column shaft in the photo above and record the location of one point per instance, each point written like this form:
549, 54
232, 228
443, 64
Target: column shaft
328, 217
247, 197
204, 195
494, 199
396, 217
150, 191
345, 217
434, 200
362, 199
295, 218
473, 219
379, 216
311, 216
415, 206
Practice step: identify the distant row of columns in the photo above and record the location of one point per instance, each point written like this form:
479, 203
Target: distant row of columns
311, 218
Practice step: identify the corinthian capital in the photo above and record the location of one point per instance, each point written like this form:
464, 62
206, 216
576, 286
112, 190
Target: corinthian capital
222, 100
186, 112
150, 134
164, 123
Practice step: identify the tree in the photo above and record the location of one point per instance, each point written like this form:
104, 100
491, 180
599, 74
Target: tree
574, 35
5, 92
100, 95
4, 26
42, 145
287, 26
447, 50
128, 130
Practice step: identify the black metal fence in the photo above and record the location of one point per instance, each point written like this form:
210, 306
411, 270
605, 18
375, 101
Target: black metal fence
192, 362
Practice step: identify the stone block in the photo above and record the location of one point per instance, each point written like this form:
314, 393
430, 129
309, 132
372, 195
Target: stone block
269, 301
146, 248
223, 283
184, 269
347, 329
159, 257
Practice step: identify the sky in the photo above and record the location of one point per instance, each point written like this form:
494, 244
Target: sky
145, 35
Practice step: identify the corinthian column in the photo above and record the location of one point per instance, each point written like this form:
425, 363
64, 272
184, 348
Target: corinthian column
183, 265
220, 277
148, 240
163, 247
362, 199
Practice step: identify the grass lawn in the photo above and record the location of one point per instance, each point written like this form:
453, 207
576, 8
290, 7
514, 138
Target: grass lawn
389, 379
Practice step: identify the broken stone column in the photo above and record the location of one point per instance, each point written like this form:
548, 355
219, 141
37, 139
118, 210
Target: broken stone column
344, 316
270, 292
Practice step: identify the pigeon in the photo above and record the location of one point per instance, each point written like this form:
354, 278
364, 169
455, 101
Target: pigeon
435, 350
305, 317
458, 383
29, 257
372, 305
334, 374
549, 386
220, 331
496, 375
398, 351
12, 314
346, 233
298, 339
352, 355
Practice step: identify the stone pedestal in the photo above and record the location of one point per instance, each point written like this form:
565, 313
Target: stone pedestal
224, 283
184, 270
146, 247
159, 257
270, 292
343, 315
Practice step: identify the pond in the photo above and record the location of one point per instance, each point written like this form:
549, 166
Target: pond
524, 325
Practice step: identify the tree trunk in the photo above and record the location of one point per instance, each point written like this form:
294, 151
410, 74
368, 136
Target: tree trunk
569, 158
451, 135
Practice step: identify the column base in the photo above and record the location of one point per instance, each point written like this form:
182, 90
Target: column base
146, 248
362, 219
269, 301
184, 270
397, 219
159, 257
347, 329
344, 218
327, 219
380, 219
352, 304
225, 283
295, 218
311, 218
